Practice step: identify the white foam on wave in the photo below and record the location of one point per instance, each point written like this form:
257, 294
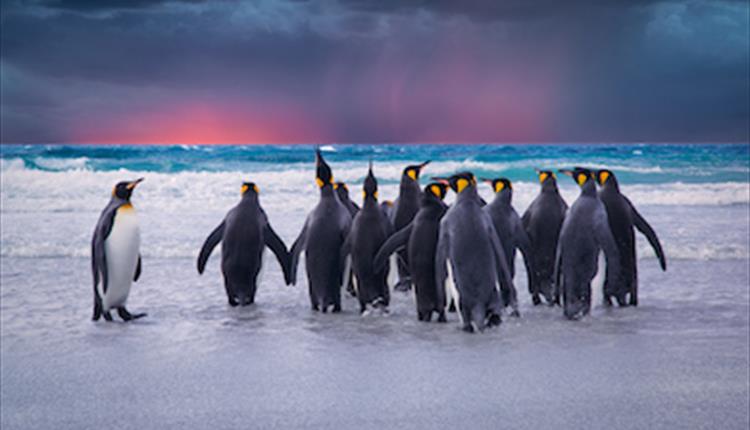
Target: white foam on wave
52, 214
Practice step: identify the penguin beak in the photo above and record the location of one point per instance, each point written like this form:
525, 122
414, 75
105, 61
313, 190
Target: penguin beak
422, 166
566, 172
134, 183
486, 180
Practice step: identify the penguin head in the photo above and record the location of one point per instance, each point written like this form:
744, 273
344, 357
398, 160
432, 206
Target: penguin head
581, 175
499, 185
323, 174
436, 189
459, 182
546, 177
249, 188
123, 190
606, 178
412, 172
370, 187
342, 190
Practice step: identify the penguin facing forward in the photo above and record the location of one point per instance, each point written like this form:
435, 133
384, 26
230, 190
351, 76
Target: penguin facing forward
115, 256
343, 192
622, 217
542, 221
420, 239
244, 233
321, 239
585, 231
370, 228
404, 209
468, 243
509, 228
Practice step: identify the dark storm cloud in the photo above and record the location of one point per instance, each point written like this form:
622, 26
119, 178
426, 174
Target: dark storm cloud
367, 70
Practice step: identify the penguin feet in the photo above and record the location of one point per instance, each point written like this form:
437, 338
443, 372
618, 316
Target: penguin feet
494, 320
336, 308
403, 285
127, 316
233, 302
536, 300
515, 313
452, 306
107, 316
468, 328
441, 317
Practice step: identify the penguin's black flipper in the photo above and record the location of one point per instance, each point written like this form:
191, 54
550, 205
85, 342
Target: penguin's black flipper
137, 269
397, 241
98, 257
212, 240
645, 228
273, 241
524, 244
441, 259
606, 240
503, 272
297, 248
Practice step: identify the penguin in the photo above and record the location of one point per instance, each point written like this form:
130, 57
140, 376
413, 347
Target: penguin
404, 209
542, 221
244, 233
387, 208
509, 228
622, 217
321, 239
584, 233
420, 237
343, 193
370, 228
115, 256
468, 243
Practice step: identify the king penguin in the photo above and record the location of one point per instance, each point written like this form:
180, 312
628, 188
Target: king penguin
584, 233
509, 228
244, 233
322, 237
542, 221
370, 228
420, 237
622, 217
468, 244
115, 256
343, 192
404, 209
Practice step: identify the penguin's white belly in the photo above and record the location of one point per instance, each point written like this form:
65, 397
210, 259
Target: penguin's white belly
121, 249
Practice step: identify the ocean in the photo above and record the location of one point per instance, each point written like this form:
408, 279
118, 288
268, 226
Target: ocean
678, 360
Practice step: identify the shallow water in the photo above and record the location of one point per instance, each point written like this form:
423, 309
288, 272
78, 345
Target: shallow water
678, 360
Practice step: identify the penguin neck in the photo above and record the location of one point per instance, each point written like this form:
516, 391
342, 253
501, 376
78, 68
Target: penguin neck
408, 187
588, 189
611, 187
370, 202
503, 198
468, 194
249, 198
120, 201
328, 192
430, 201
550, 186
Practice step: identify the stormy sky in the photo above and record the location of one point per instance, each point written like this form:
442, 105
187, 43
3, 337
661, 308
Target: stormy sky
149, 71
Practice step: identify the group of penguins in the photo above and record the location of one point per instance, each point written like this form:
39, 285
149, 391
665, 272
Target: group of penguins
457, 257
